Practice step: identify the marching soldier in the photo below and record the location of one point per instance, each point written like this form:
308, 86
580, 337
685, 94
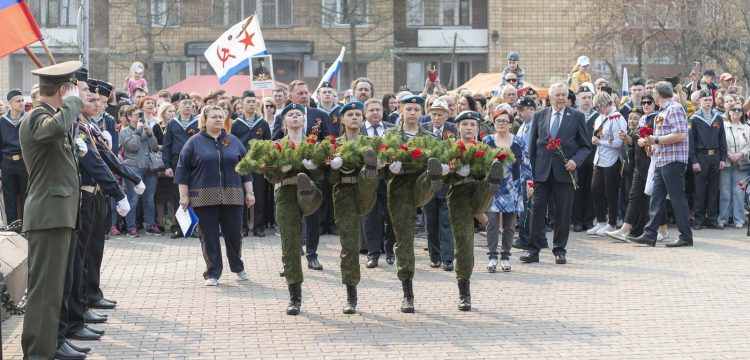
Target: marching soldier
15, 177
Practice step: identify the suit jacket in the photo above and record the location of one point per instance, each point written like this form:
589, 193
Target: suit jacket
448, 129
386, 126
316, 119
48, 152
574, 139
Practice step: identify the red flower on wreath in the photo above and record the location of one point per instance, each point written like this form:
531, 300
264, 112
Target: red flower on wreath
332, 139
311, 141
292, 145
278, 146
461, 146
479, 153
382, 147
502, 156
404, 147
416, 153
472, 142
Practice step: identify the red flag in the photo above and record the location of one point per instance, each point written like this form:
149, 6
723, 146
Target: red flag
21, 28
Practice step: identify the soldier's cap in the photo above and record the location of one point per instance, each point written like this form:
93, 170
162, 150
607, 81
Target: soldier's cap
674, 80
710, 72
440, 104
13, 93
354, 105
636, 81
468, 115
531, 92
413, 99
326, 84
514, 56
705, 93
290, 107
82, 74
179, 96
105, 88
585, 88
93, 85
58, 74
526, 102
248, 93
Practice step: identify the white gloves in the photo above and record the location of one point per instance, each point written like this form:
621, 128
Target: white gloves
140, 188
381, 164
309, 165
286, 168
463, 171
108, 138
82, 148
123, 206
445, 169
336, 163
395, 167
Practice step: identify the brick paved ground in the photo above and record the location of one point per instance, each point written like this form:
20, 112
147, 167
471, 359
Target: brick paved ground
612, 300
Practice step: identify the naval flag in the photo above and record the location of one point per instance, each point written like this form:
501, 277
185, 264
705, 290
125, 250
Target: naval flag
232, 51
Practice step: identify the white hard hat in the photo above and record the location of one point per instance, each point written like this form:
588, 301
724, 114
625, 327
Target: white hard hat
583, 60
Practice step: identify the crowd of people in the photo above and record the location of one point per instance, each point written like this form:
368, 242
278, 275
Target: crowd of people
584, 159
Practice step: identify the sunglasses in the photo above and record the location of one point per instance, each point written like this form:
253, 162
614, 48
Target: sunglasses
270, 106
646, 102
511, 80
737, 110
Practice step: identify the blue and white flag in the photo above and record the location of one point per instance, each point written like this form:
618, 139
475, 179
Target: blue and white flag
231, 52
625, 86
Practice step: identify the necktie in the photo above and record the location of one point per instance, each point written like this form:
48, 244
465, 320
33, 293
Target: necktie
438, 134
375, 131
555, 125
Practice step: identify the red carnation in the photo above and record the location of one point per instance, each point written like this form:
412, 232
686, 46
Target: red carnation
311, 140
292, 145
332, 138
550, 141
479, 153
549, 147
416, 153
502, 156
461, 146
404, 147
278, 146
557, 142
530, 184
645, 132
472, 142
382, 147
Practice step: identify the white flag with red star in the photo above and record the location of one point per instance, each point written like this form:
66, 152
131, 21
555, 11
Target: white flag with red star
231, 52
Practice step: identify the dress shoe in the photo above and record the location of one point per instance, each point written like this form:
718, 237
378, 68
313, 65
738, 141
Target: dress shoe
95, 331
80, 349
110, 300
529, 258
435, 264
259, 233
314, 264
680, 243
698, 227
103, 304
372, 263
245, 232
716, 226
448, 266
560, 259
435, 171
519, 245
643, 240
66, 352
84, 334
332, 230
93, 318
578, 228
390, 259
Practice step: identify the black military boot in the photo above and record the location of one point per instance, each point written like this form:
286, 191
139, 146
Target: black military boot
295, 299
464, 295
407, 304
351, 299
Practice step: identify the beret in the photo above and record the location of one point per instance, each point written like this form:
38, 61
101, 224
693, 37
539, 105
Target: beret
326, 84
290, 107
513, 56
467, 115
636, 81
413, 99
705, 93
179, 96
354, 105
13, 93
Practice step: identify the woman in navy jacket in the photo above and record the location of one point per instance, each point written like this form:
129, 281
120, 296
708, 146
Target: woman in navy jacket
208, 182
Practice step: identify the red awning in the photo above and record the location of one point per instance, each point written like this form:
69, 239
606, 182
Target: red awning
205, 83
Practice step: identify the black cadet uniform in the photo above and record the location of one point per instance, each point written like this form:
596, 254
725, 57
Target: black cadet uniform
15, 176
327, 223
708, 147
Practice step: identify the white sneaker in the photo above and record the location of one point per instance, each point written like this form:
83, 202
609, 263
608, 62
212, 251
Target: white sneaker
211, 282
241, 276
739, 226
617, 235
603, 231
492, 265
660, 237
594, 229
505, 265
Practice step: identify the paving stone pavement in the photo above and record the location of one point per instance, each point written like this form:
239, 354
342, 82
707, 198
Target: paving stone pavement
612, 300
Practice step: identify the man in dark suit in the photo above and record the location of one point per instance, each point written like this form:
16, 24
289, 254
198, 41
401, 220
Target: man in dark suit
552, 173
315, 124
439, 236
376, 225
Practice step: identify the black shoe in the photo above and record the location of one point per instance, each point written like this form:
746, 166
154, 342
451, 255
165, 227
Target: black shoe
295, 299
435, 170
259, 233
95, 331
304, 188
84, 334
66, 352
332, 230
371, 164
435, 264
282, 273
103, 304
245, 232
80, 349
110, 300
529, 258
390, 259
314, 264
407, 303
91, 317
448, 266
464, 295
495, 176
578, 228
560, 259
518, 245
177, 235
680, 243
698, 227
716, 226
351, 299
372, 263
643, 240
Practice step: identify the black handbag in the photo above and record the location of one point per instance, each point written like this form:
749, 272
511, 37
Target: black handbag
155, 162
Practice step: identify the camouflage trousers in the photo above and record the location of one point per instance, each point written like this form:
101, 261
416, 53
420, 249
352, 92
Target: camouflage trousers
289, 213
465, 201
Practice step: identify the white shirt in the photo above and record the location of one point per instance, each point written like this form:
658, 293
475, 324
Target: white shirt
371, 129
609, 149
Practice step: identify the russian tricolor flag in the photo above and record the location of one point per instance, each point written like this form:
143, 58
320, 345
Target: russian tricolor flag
21, 28
625, 86
332, 74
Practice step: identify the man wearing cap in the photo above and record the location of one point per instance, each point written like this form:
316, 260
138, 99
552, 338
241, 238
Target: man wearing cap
637, 87
409, 189
15, 177
439, 238
51, 207
583, 206
707, 156
249, 126
513, 67
328, 105
178, 131
728, 83
105, 121
376, 225
526, 107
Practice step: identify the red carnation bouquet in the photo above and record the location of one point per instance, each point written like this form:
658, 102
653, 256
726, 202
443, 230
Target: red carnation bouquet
554, 145
644, 133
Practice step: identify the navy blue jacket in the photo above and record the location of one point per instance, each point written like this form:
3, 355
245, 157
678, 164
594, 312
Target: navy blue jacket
94, 171
9, 144
315, 118
333, 121
247, 130
106, 122
109, 158
175, 138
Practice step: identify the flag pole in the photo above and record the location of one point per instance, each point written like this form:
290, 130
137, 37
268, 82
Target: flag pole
46, 51
33, 57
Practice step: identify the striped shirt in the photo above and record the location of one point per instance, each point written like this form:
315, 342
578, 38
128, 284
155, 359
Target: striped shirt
671, 120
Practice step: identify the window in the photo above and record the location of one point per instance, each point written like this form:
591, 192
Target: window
21, 65
163, 12
55, 13
344, 12
167, 74
438, 13
271, 13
